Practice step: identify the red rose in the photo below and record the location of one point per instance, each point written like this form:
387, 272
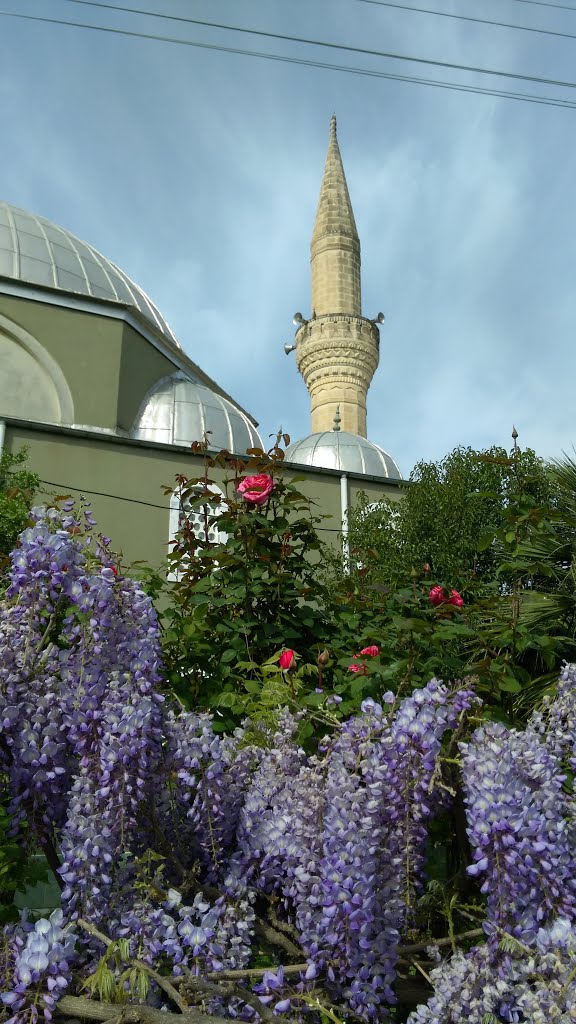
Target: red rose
438, 597
256, 489
371, 652
287, 660
361, 669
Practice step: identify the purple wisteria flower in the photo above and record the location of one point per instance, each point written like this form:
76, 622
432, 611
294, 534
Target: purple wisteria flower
42, 958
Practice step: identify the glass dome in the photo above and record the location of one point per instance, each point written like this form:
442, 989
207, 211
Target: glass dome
33, 249
348, 453
179, 411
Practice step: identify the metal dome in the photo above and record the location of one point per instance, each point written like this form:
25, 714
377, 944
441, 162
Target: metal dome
179, 411
34, 250
348, 453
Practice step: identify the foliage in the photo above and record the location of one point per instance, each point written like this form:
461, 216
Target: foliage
234, 603
244, 877
549, 554
446, 511
17, 487
465, 522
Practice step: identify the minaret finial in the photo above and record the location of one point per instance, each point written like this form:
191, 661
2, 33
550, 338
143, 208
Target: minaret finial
337, 419
333, 126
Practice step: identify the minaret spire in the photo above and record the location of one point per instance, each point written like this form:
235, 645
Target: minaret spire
337, 349
335, 248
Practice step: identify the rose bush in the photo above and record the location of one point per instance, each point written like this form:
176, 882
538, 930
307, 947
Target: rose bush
437, 596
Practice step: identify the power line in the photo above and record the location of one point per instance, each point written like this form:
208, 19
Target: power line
525, 97
545, 3
139, 501
455, 17
223, 26
104, 494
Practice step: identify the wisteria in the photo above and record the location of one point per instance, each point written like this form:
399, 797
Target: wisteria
243, 873
40, 959
533, 985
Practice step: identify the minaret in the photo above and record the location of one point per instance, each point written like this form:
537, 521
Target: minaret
337, 349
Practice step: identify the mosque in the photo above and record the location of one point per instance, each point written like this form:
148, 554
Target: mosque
98, 388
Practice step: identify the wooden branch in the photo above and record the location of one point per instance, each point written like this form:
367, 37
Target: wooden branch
276, 938
282, 926
164, 983
52, 858
254, 972
425, 975
204, 986
131, 1013
476, 933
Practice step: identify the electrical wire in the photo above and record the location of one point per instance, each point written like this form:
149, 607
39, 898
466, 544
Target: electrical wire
435, 83
64, 488
302, 40
104, 494
455, 17
545, 3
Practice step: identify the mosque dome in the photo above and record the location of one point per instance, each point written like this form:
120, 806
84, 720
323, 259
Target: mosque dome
178, 410
348, 453
34, 250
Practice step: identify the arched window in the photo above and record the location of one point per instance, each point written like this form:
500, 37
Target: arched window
182, 513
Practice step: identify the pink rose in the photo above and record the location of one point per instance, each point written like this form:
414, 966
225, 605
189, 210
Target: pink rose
358, 668
438, 597
287, 660
371, 652
256, 489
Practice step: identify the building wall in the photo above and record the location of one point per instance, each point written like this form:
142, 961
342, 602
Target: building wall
124, 481
86, 347
141, 366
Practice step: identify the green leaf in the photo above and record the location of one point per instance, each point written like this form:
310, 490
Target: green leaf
228, 655
509, 685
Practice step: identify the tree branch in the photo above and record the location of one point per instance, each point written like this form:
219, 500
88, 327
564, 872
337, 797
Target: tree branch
130, 1013
164, 983
476, 933
276, 938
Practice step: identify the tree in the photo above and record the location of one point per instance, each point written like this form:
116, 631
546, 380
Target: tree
462, 524
448, 507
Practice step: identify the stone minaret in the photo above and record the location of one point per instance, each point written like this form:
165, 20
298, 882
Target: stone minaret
337, 349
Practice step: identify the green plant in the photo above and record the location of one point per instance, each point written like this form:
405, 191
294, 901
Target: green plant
17, 488
235, 601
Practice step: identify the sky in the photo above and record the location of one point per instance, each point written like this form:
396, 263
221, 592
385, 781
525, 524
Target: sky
198, 172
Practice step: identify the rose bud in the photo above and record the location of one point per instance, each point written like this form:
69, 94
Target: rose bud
287, 660
323, 657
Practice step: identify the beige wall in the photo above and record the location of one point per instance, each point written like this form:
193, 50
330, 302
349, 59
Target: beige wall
141, 366
124, 481
86, 347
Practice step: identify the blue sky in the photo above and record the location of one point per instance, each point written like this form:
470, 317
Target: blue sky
198, 173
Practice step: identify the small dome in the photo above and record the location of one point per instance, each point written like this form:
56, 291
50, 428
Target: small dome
348, 453
179, 411
34, 250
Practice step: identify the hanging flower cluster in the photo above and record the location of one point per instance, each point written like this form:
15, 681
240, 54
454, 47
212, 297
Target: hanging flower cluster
171, 836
